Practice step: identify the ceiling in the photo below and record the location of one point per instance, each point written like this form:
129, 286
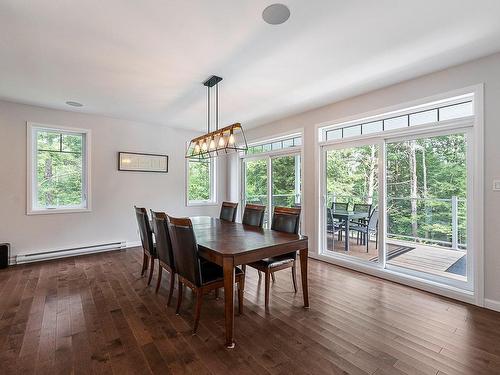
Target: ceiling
146, 60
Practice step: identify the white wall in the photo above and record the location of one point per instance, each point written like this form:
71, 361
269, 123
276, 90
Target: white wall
114, 193
485, 70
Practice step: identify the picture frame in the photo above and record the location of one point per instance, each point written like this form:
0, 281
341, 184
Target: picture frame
142, 162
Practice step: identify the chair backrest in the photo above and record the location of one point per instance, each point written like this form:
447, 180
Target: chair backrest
144, 229
363, 207
228, 211
286, 219
185, 249
329, 218
254, 215
340, 206
373, 221
162, 236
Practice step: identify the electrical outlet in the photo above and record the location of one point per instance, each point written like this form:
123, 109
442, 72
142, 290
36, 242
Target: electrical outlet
496, 185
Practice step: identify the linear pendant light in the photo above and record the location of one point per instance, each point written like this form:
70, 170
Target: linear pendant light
219, 141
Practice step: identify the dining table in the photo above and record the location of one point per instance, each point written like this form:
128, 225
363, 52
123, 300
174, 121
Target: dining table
346, 217
230, 244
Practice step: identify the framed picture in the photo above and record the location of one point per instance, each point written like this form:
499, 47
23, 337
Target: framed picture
137, 162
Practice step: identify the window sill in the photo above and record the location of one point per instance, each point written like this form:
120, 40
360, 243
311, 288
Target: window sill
201, 203
57, 211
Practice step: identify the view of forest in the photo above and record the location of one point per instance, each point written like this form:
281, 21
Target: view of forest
425, 177
59, 169
199, 180
283, 178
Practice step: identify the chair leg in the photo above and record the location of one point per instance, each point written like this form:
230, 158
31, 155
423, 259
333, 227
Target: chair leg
294, 276
144, 263
160, 270
367, 237
272, 277
151, 270
197, 311
267, 282
171, 289
179, 297
244, 269
241, 289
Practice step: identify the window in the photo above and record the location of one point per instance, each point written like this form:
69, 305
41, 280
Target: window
200, 181
276, 144
58, 164
453, 108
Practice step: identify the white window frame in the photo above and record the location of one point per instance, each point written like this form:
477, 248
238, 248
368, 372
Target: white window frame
31, 208
213, 200
268, 156
473, 126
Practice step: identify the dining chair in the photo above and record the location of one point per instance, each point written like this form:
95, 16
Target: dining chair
228, 211
340, 206
148, 246
363, 207
201, 277
254, 215
287, 220
164, 251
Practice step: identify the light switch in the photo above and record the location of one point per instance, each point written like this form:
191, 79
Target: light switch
496, 185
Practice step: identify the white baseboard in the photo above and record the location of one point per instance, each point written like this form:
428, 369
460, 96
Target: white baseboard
69, 252
81, 250
133, 244
492, 304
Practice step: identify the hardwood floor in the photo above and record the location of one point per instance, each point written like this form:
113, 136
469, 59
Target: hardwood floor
95, 314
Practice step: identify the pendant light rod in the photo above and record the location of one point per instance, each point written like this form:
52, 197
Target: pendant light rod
209, 83
208, 112
217, 107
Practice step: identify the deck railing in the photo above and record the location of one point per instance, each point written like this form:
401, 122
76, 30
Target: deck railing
444, 218
451, 216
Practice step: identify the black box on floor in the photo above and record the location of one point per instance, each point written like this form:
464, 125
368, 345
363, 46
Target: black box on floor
4, 255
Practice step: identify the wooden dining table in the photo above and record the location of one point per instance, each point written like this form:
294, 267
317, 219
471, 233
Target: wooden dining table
231, 244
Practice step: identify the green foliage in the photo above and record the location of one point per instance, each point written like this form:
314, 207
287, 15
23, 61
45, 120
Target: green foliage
256, 181
350, 172
283, 177
199, 180
59, 169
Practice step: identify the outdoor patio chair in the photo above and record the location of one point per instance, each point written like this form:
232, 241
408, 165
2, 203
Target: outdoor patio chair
365, 230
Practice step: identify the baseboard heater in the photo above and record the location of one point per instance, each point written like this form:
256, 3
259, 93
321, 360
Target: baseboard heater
71, 252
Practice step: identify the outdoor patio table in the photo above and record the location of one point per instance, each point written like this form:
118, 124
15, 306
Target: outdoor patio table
346, 217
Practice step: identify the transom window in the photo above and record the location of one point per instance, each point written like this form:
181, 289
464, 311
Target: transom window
275, 144
451, 109
59, 164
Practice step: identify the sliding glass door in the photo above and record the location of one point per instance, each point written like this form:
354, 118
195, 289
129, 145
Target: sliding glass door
272, 180
400, 203
427, 212
256, 183
350, 212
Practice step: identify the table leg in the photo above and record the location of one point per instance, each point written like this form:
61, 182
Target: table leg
303, 275
228, 267
346, 235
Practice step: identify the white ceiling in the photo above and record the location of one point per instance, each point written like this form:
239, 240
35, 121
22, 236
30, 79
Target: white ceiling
145, 60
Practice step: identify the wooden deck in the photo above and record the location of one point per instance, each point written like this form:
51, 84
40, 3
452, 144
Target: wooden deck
430, 259
95, 314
